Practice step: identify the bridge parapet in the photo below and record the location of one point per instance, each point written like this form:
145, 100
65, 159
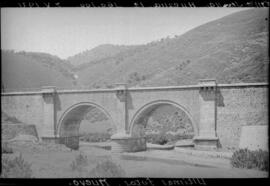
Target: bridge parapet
85, 90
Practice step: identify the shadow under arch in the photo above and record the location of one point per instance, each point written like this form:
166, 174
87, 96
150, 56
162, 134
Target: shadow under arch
154, 104
73, 117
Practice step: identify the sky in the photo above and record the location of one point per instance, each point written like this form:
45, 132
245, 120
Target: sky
68, 31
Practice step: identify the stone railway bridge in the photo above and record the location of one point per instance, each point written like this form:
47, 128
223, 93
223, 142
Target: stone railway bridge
54, 112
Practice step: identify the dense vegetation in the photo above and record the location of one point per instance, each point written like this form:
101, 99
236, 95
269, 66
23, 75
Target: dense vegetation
244, 158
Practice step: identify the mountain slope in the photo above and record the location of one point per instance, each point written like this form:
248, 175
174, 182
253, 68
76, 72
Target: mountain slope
31, 70
97, 53
231, 49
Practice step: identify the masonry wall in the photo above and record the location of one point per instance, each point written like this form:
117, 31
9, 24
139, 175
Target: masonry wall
236, 106
239, 106
28, 108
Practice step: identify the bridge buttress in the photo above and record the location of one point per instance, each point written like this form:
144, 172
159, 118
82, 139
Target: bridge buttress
49, 113
121, 94
207, 137
122, 141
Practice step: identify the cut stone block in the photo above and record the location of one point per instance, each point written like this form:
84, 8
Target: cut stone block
254, 137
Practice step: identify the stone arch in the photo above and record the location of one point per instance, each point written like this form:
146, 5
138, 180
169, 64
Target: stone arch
73, 117
144, 110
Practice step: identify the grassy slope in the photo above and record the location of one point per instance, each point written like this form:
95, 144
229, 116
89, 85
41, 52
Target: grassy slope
235, 51
231, 49
98, 53
25, 70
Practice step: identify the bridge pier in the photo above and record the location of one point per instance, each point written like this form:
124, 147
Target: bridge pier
207, 138
49, 114
121, 95
122, 141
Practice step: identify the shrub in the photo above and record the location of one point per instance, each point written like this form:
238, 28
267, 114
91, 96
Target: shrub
135, 77
6, 148
163, 138
79, 162
16, 168
245, 158
107, 168
159, 138
96, 86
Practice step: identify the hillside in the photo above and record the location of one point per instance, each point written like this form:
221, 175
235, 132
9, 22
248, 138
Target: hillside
98, 53
231, 49
31, 70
